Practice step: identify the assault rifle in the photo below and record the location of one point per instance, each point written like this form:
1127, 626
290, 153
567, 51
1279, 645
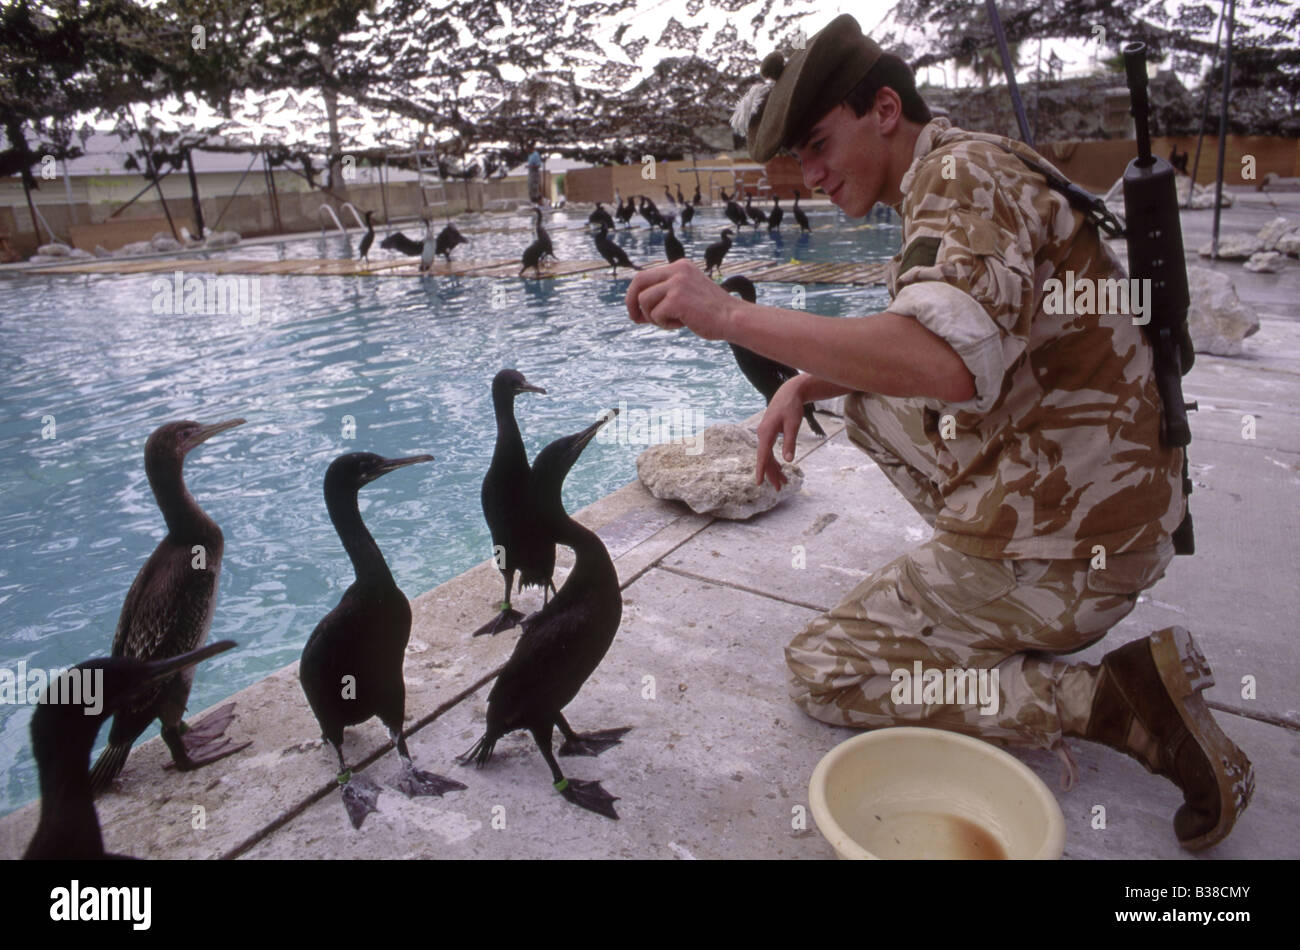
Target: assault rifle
1154, 237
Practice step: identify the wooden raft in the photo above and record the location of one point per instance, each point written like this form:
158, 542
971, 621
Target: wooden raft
860, 274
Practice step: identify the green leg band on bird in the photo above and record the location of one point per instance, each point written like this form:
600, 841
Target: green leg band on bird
345, 776
562, 784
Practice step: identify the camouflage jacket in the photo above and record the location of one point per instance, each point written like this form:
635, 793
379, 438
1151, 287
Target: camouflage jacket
1059, 449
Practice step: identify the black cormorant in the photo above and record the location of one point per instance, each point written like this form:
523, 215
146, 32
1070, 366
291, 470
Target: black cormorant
448, 239
799, 216
672, 202
63, 734
625, 210
562, 644
775, 215
516, 545
673, 247
399, 242
612, 252
367, 240
735, 213
688, 212
716, 251
696, 199
351, 667
601, 216
532, 257
168, 611
681, 198
766, 374
650, 211
756, 215
543, 238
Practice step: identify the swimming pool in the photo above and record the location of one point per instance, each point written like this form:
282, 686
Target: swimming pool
89, 361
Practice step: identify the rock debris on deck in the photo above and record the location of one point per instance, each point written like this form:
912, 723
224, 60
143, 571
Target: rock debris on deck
718, 761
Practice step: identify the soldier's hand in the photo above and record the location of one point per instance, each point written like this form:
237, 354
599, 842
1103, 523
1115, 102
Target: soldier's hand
784, 415
677, 296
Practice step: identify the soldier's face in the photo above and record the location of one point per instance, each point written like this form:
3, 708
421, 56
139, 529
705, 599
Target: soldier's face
847, 157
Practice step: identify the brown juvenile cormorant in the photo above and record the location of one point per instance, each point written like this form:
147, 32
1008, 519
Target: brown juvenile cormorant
63, 734
767, 375
516, 544
563, 643
715, 252
612, 253
799, 215
448, 239
735, 213
775, 215
351, 667
168, 611
427, 248
673, 247
399, 242
756, 215
368, 239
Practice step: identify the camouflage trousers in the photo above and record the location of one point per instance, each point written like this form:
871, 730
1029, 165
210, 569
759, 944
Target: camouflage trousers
991, 630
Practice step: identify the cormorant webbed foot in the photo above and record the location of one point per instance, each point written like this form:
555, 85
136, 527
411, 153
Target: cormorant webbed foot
415, 782
507, 618
593, 743
589, 795
360, 797
193, 747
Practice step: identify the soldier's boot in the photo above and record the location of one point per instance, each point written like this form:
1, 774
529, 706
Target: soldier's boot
1148, 705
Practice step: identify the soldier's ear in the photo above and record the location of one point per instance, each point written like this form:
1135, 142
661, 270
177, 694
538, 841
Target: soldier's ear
889, 110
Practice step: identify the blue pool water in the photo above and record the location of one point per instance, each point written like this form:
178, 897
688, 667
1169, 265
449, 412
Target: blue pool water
410, 360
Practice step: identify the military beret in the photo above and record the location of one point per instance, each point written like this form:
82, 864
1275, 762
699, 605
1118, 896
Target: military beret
814, 81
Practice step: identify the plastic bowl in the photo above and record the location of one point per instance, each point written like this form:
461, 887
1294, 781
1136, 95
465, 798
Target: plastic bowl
911, 792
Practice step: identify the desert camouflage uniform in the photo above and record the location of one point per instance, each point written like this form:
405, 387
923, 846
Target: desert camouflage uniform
1056, 457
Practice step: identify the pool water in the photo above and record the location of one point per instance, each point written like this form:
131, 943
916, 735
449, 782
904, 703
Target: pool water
410, 361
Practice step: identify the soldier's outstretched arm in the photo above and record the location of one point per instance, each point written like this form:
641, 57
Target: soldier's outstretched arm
885, 353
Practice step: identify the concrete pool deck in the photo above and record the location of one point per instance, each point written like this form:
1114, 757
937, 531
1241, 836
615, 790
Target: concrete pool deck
718, 761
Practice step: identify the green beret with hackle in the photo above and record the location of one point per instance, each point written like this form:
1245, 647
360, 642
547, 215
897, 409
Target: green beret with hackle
812, 83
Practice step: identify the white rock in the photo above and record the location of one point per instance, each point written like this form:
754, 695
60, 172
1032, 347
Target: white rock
161, 243
53, 250
1234, 247
718, 479
1202, 197
134, 248
1270, 233
78, 254
1265, 262
46, 259
1217, 318
101, 251
1289, 243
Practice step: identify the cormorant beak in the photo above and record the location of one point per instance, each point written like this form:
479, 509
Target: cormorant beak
208, 432
529, 388
389, 465
586, 435
161, 669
